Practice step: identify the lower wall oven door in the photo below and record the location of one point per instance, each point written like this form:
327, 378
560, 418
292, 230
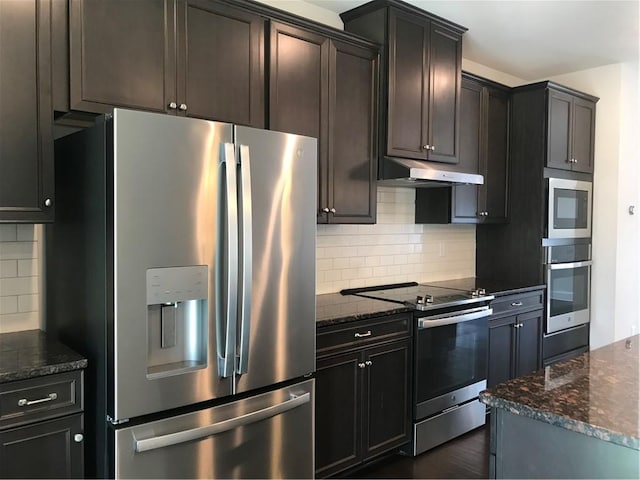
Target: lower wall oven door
265, 436
568, 292
451, 355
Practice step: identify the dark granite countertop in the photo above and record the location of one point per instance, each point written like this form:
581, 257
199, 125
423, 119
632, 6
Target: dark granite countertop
333, 308
30, 353
596, 394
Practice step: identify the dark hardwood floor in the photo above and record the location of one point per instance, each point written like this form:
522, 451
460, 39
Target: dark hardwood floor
463, 457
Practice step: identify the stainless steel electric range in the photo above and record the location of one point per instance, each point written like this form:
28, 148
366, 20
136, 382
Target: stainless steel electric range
450, 357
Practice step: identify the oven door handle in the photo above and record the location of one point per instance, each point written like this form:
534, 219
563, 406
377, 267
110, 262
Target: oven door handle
563, 266
426, 323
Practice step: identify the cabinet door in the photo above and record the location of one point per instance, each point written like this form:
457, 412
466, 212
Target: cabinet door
502, 339
220, 63
338, 418
559, 130
386, 393
122, 54
529, 351
352, 134
407, 117
44, 449
299, 92
584, 120
26, 116
445, 60
493, 194
465, 197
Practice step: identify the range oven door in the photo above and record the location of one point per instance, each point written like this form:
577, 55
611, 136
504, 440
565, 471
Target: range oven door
451, 359
568, 293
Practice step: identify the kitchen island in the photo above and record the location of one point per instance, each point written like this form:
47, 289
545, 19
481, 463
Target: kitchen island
574, 419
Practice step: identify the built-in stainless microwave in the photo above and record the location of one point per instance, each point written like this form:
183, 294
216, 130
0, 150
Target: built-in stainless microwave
569, 208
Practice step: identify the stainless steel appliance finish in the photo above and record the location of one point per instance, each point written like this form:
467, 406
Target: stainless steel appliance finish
402, 172
450, 357
193, 280
441, 428
568, 279
265, 436
569, 207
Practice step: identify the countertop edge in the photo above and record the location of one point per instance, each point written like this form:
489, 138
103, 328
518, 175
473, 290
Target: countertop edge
326, 322
42, 371
560, 421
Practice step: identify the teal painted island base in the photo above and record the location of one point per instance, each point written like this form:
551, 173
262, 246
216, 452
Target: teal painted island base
522, 447
574, 419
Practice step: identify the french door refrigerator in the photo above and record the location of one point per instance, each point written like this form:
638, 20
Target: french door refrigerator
182, 264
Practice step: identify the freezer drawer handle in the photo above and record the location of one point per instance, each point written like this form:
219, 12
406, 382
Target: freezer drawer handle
220, 427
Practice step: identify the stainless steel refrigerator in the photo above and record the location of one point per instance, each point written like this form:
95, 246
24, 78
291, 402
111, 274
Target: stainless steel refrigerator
182, 264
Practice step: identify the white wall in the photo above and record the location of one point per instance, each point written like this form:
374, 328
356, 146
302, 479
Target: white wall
308, 10
616, 264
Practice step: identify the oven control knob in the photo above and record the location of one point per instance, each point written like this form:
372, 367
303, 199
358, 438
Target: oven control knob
419, 300
428, 298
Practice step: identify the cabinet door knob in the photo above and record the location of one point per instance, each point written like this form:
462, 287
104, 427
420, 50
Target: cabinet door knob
78, 437
183, 107
325, 209
361, 365
433, 148
173, 106
368, 363
333, 210
426, 147
48, 202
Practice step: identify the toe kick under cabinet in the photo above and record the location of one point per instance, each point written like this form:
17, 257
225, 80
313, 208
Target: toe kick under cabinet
41, 425
363, 391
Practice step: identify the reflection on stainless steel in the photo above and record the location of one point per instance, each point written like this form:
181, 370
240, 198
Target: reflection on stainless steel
193, 245
222, 442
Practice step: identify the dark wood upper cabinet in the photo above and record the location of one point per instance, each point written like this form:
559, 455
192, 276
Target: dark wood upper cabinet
26, 116
326, 88
420, 80
484, 149
571, 130
190, 57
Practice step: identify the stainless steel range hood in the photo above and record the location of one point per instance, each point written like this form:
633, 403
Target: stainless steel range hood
402, 172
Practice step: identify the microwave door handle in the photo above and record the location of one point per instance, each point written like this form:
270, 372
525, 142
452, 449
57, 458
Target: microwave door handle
247, 258
198, 433
426, 323
564, 266
226, 322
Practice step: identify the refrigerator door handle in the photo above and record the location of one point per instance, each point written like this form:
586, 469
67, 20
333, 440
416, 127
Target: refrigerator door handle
226, 351
220, 427
247, 259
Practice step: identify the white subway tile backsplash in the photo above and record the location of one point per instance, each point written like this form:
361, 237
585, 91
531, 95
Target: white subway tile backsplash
393, 250
8, 268
19, 277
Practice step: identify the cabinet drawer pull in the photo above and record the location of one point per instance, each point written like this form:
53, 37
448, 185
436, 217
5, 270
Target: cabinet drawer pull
516, 304
363, 335
23, 402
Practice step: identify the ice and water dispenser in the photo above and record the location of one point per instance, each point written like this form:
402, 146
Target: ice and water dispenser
177, 319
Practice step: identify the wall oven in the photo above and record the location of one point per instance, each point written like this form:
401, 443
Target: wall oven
569, 208
568, 280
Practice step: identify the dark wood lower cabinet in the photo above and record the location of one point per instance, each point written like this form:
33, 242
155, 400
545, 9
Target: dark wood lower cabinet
43, 450
363, 401
514, 345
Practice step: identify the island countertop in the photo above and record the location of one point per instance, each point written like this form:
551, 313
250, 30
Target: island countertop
596, 394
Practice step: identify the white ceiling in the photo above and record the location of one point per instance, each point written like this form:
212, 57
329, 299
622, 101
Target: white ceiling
535, 40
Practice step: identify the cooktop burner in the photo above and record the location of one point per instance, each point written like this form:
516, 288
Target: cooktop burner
421, 297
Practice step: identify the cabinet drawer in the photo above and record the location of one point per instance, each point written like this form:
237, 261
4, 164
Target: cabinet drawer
365, 332
39, 398
518, 303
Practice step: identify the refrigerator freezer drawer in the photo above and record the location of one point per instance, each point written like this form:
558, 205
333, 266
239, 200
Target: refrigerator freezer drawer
265, 436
